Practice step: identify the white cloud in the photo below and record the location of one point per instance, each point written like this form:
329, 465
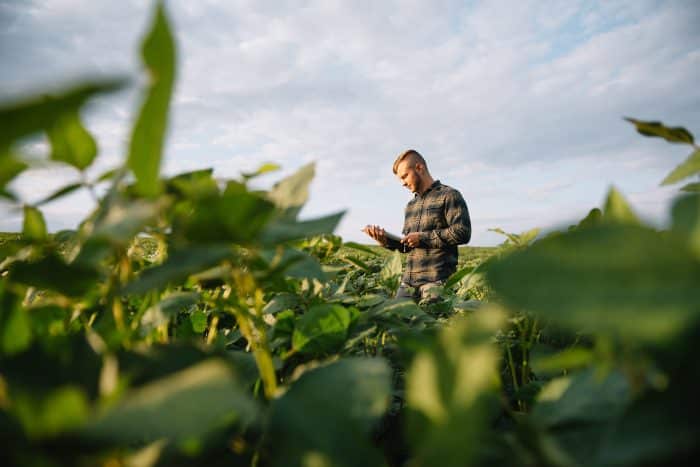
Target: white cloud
511, 102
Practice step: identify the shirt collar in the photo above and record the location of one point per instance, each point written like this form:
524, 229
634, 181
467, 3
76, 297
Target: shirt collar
435, 185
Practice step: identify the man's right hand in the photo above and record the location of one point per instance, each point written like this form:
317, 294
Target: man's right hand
376, 233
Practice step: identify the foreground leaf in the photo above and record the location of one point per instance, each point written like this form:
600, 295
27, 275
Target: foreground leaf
180, 407
70, 141
145, 150
37, 114
658, 129
690, 166
34, 227
321, 330
53, 273
328, 414
451, 391
628, 281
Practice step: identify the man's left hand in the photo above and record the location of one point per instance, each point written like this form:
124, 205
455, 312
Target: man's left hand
412, 239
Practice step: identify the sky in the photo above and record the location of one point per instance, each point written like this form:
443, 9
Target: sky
517, 104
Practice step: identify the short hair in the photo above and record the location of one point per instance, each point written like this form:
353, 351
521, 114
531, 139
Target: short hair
411, 155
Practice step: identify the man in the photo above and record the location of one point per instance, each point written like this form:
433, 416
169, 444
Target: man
436, 220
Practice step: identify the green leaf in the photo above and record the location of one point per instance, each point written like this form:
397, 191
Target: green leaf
458, 276
64, 409
357, 262
15, 327
293, 263
566, 360
60, 193
145, 151
194, 185
9, 169
263, 169
685, 215
34, 227
691, 188
617, 209
124, 219
690, 166
328, 414
321, 330
40, 113
451, 392
594, 217
391, 272
233, 217
165, 310
179, 407
70, 141
284, 229
624, 280
178, 267
198, 318
291, 193
363, 248
52, 273
658, 129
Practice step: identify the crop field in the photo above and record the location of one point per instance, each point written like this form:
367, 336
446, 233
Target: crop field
193, 321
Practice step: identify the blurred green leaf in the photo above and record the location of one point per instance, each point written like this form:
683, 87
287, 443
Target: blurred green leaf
34, 226
690, 166
617, 209
357, 262
10, 167
165, 310
584, 397
658, 129
691, 188
363, 248
594, 217
293, 263
282, 229
15, 327
321, 330
179, 265
233, 217
566, 360
52, 273
198, 318
263, 169
123, 220
390, 274
291, 193
458, 276
60, 193
64, 409
451, 392
328, 414
685, 215
37, 114
70, 141
194, 185
145, 151
179, 407
627, 280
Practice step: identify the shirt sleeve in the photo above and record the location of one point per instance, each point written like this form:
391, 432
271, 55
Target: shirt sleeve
459, 227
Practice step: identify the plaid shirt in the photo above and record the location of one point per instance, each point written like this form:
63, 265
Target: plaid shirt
441, 216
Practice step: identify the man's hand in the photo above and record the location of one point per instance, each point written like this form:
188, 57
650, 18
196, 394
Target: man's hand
412, 239
376, 233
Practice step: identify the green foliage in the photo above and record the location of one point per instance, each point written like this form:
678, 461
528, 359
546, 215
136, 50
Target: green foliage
189, 320
145, 152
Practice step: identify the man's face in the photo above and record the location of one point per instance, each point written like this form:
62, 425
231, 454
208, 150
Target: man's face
409, 175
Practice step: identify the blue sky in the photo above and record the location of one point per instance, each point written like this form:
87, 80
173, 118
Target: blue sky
518, 104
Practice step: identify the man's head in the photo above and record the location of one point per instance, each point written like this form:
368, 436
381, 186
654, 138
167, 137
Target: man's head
412, 171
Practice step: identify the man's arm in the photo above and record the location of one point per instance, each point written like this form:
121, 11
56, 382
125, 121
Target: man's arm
459, 227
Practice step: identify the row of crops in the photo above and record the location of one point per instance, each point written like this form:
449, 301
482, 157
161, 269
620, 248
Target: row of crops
190, 320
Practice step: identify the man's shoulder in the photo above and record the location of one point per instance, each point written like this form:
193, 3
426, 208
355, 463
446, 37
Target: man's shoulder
448, 190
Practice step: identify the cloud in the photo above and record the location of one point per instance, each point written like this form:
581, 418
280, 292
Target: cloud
509, 101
